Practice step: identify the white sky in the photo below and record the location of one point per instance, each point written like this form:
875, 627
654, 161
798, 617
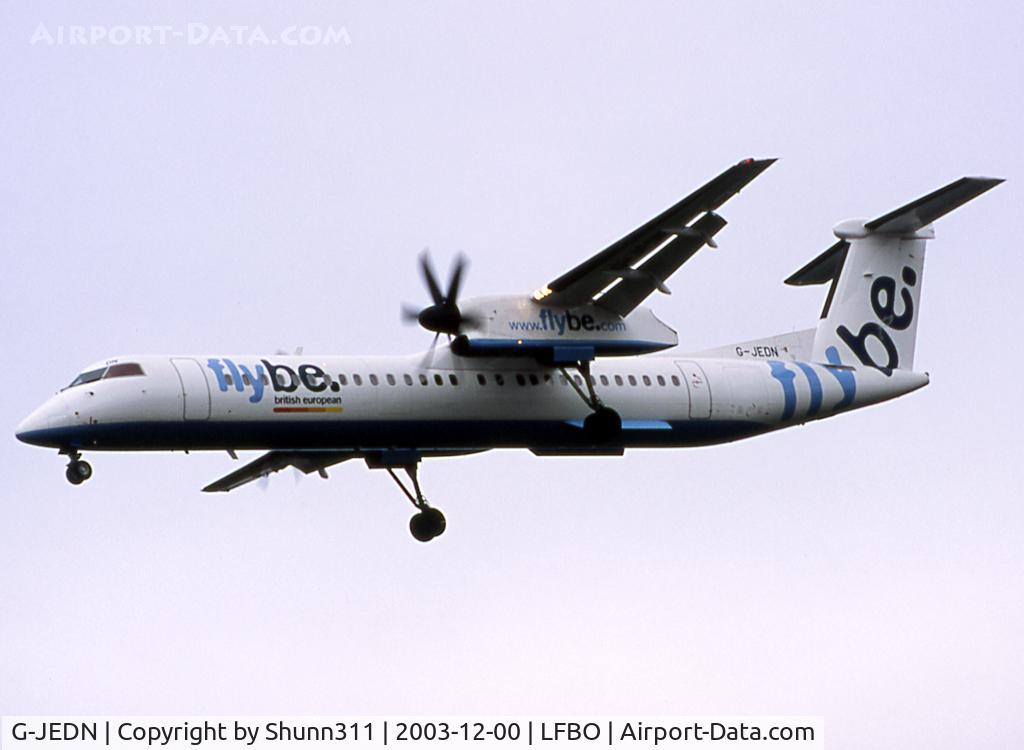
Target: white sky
243, 199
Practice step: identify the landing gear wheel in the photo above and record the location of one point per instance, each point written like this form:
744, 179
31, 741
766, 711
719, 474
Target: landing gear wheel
427, 524
436, 521
419, 526
603, 425
78, 471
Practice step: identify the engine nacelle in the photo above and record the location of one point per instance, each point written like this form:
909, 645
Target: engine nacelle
520, 326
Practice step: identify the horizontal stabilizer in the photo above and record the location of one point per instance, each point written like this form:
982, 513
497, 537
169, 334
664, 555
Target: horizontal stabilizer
924, 211
905, 220
876, 270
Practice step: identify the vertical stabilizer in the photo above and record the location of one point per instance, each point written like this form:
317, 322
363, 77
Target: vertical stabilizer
871, 312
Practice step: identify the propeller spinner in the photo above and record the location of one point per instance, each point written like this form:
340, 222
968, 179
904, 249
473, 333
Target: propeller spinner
444, 315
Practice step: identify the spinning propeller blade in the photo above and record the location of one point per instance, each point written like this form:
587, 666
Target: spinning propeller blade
443, 316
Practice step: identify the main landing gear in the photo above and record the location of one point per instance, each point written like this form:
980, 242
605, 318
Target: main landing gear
604, 425
78, 470
428, 522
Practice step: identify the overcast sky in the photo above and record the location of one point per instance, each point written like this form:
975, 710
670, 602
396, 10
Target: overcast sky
245, 198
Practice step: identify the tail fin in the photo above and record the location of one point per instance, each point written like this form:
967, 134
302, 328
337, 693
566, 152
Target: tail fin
870, 314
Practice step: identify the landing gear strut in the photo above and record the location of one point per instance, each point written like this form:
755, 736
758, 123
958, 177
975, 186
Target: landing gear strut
78, 470
428, 522
605, 424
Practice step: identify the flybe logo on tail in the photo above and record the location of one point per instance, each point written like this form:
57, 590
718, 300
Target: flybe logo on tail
883, 303
265, 376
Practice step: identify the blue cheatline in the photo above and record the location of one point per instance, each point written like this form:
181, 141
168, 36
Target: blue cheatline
632, 424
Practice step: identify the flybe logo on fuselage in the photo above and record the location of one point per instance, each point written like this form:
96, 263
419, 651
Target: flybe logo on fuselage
560, 323
266, 375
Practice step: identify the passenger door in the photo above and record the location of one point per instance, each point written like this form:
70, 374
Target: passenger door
699, 390
195, 390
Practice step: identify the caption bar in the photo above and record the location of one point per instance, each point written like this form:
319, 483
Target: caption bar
262, 733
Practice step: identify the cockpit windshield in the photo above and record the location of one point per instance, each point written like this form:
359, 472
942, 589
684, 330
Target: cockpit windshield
119, 370
122, 370
89, 376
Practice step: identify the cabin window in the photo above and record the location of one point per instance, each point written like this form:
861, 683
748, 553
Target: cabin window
647, 379
423, 379
675, 380
245, 378
438, 380
266, 380
562, 379
618, 380
391, 379
661, 380
499, 378
548, 380
357, 380
481, 378
374, 380
123, 370
228, 379
520, 379
578, 379
343, 380
452, 379
407, 378
632, 380
534, 380
604, 380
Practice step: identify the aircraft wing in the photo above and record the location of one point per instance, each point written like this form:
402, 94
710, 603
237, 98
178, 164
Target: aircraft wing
308, 461
622, 275
305, 461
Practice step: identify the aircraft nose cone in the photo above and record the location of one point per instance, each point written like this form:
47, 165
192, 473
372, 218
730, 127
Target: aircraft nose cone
31, 428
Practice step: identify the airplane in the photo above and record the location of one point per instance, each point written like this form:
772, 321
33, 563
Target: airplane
566, 371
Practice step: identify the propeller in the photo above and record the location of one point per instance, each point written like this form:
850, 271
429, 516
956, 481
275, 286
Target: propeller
443, 316
264, 481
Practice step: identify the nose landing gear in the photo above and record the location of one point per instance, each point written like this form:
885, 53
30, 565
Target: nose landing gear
78, 470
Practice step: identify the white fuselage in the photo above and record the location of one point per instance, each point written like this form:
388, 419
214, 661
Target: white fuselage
193, 402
